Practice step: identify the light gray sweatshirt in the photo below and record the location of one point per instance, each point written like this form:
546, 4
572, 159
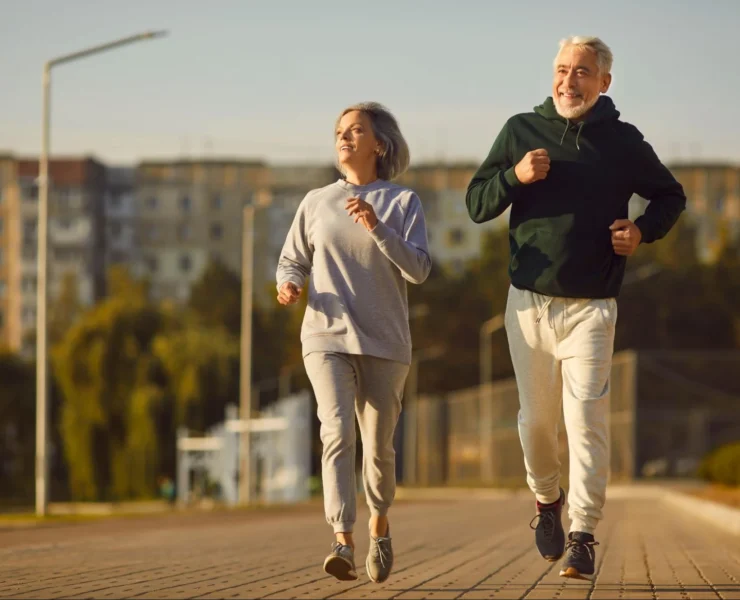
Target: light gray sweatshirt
357, 300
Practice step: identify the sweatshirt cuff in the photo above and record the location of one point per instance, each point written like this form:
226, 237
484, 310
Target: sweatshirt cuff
511, 178
380, 232
646, 236
293, 280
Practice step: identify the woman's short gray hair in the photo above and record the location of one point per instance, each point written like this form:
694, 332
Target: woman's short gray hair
604, 57
393, 159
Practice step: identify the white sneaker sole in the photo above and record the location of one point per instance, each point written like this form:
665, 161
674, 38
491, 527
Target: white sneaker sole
340, 568
572, 573
371, 578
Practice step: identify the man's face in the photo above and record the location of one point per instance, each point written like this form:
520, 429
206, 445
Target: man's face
577, 82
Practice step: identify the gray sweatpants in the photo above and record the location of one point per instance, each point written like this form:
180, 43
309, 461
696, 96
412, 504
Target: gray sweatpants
562, 349
371, 388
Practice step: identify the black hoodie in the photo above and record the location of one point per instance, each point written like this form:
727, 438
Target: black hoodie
559, 226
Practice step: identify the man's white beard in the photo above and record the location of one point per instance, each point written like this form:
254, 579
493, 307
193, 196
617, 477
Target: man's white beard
573, 112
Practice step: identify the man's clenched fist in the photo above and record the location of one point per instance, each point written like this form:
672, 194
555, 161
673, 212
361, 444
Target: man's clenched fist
533, 167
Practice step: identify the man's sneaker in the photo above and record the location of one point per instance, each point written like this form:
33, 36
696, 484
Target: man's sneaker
580, 557
379, 558
549, 533
341, 562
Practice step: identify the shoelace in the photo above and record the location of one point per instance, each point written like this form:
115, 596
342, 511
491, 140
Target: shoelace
547, 519
579, 549
340, 548
382, 550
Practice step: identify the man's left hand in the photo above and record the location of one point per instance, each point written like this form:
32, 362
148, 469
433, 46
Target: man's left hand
626, 236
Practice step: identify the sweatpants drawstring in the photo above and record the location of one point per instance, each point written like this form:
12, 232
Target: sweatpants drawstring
544, 308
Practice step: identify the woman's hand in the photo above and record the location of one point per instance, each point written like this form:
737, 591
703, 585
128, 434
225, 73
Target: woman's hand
362, 212
289, 294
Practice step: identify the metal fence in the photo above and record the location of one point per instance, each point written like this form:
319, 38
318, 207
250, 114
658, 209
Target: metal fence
667, 410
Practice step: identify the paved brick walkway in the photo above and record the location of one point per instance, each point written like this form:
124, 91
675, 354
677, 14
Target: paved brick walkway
464, 548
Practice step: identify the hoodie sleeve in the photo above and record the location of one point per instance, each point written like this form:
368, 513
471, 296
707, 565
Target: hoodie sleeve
409, 252
655, 183
495, 184
296, 256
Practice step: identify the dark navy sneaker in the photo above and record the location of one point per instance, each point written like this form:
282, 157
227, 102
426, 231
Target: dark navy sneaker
580, 557
341, 562
549, 533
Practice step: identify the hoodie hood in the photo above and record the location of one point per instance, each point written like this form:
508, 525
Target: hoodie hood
603, 110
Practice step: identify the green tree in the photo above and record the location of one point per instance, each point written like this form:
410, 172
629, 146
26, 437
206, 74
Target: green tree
17, 435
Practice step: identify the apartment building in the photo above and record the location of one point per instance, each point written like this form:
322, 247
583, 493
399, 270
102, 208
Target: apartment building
190, 213
713, 203
10, 331
121, 217
76, 238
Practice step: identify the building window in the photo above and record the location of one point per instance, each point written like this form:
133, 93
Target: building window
151, 202
185, 204
28, 315
3, 287
217, 202
114, 201
2, 223
185, 263
62, 197
183, 232
29, 228
151, 263
217, 231
65, 223
115, 229
31, 192
29, 253
28, 284
153, 233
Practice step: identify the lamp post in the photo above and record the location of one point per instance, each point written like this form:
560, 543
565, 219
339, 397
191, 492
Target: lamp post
42, 377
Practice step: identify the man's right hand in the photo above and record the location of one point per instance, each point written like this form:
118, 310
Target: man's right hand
533, 167
289, 293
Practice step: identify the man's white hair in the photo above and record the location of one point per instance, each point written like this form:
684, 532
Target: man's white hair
604, 57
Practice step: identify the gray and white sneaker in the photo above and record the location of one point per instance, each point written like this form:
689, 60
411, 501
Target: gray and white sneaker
379, 558
341, 562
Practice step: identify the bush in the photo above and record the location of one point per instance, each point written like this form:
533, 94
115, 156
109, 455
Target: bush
722, 465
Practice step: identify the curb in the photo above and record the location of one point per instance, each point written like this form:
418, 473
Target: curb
719, 515
725, 517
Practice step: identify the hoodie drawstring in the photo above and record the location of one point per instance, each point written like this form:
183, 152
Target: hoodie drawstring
544, 308
578, 135
567, 126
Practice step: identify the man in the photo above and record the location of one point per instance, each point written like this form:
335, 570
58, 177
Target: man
568, 171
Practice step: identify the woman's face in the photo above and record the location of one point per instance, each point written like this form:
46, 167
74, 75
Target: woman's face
356, 143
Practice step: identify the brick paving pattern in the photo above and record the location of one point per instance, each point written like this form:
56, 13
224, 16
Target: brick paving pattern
455, 548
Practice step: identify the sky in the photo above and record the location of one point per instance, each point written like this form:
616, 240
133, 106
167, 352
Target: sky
266, 79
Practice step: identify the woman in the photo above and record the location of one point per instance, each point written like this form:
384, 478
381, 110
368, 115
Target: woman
360, 238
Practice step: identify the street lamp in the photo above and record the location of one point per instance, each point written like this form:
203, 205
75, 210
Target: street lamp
261, 198
42, 392
486, 409
411, 408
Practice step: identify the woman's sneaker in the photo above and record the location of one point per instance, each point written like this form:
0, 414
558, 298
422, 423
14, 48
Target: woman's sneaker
379, 558
341, 562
